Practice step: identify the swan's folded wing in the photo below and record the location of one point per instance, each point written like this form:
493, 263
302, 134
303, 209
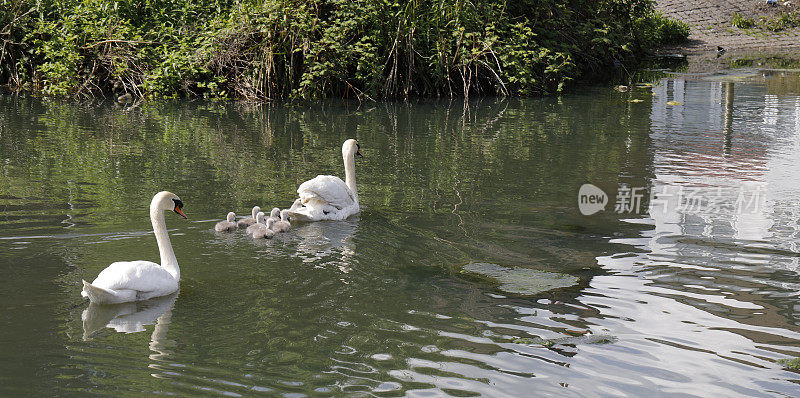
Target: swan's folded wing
141, 276
329, 190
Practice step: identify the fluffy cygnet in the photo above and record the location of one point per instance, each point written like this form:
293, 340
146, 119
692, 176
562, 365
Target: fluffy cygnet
275, 214
259, 223
227, 225
283, 225
246, 222
266, 232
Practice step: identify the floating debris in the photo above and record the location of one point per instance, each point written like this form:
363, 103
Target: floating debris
636, 100
577, 340
792, 364
674, 103
521, 280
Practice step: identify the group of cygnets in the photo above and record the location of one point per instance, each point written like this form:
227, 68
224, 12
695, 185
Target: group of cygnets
324, 197
258, 225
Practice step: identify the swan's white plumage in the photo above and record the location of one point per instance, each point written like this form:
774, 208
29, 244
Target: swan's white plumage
327, 197
126, 281
132, 281
326, 190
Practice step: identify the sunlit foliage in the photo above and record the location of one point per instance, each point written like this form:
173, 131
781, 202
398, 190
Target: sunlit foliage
270, 49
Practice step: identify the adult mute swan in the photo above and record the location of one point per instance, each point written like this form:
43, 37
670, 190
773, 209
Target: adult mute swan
328, 197
228, 225
246, 222
126, 281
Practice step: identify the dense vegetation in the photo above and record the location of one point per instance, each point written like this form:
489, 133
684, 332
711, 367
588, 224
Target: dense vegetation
268, 49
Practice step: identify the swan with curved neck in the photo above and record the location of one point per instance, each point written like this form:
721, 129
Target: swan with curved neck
328, 197
126, 281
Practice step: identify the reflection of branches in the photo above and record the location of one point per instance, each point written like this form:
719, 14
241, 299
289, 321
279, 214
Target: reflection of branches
455, 208
494, 120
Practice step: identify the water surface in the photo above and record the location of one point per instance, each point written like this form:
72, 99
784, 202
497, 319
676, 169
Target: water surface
691, 291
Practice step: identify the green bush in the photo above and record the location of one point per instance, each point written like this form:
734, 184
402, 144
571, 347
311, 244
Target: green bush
670, 31
742, 22
272, 49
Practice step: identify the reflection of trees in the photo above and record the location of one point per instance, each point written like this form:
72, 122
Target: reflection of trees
466, 167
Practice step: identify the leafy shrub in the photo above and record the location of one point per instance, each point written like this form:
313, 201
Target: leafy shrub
269, 49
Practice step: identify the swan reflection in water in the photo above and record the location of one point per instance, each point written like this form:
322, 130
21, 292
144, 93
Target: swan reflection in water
131, 318
322, 239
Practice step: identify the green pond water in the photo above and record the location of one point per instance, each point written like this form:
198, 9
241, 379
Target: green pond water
470, 270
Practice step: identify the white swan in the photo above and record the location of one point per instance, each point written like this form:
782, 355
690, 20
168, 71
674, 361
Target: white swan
228, 225
283, 225
298, 203
248, 221
259, 223
126, 281
328, 197
266, 232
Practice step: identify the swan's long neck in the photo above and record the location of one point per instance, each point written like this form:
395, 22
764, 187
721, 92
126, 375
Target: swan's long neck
350, 173
168, 260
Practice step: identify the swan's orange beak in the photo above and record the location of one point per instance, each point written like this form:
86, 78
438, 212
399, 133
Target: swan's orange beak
179, 211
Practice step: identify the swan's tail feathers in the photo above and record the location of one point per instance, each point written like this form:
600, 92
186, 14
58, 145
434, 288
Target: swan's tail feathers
98, 294
307, 197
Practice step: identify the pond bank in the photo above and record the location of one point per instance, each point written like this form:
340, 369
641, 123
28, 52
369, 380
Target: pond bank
713, 23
